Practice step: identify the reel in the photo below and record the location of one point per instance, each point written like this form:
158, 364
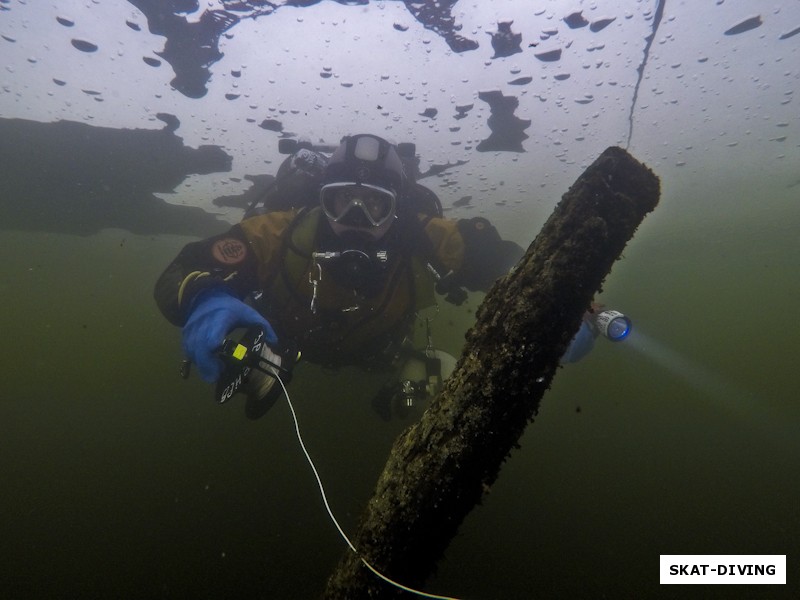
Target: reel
252, 367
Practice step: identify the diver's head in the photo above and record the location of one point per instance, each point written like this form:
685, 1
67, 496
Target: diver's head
361, 186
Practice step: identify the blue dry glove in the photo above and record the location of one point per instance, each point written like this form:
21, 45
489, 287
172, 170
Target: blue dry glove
581, 344
214, 314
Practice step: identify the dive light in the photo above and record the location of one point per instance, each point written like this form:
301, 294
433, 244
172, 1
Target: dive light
612, 324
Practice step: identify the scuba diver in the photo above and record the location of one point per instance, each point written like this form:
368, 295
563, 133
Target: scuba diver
338, 263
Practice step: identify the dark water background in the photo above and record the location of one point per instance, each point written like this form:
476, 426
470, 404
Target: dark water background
121, 480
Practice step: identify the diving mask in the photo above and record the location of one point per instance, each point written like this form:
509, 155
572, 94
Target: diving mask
358, 204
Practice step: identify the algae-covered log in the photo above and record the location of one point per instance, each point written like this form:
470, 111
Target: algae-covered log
440, 467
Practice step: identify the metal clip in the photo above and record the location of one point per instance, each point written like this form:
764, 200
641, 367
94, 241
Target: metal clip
314, 281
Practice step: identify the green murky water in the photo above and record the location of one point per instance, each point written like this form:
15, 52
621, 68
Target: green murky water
122, 480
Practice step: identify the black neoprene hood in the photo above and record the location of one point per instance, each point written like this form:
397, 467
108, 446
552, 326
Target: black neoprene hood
366, 158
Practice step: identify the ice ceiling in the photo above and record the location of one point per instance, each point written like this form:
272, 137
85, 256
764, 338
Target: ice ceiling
506, 100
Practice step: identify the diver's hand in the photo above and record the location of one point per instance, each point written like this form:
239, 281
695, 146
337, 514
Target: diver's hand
214, 314
581, 344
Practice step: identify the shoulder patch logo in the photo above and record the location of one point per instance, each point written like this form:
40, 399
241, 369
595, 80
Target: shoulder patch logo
229, 251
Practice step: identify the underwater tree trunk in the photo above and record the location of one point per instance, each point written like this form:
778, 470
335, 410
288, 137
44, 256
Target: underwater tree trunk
440, 467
